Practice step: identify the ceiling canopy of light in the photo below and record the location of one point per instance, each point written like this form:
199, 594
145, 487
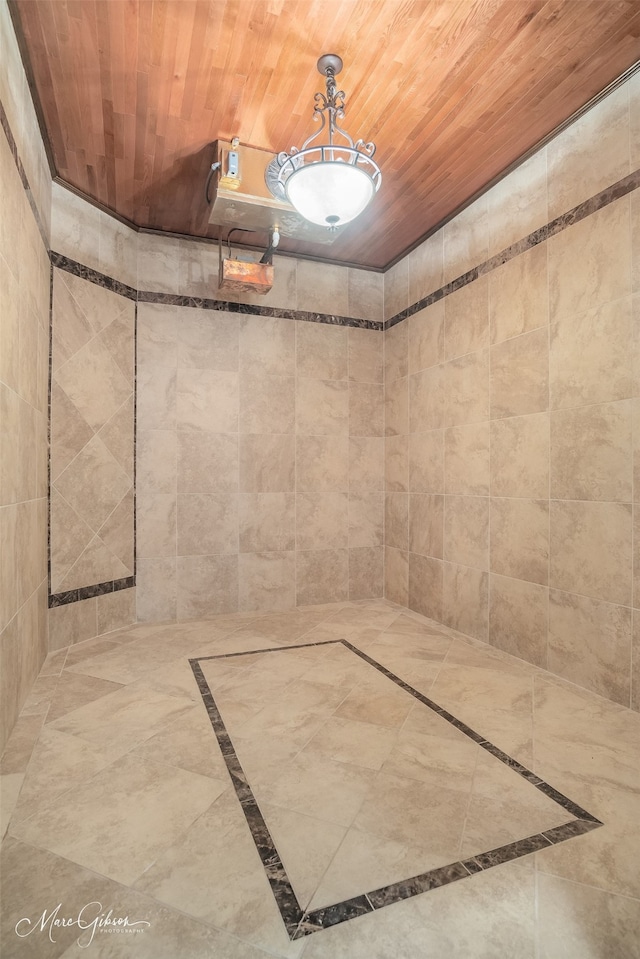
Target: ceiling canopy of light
330, 183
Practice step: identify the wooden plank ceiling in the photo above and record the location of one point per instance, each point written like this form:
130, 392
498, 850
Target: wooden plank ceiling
133, 92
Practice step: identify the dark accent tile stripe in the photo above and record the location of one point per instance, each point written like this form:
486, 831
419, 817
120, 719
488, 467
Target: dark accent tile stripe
300, 923
202, 303
88, 592
93, 276
13, 146
579, 212
509, 761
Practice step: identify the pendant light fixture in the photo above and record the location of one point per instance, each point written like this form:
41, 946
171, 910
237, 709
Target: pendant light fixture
328, 183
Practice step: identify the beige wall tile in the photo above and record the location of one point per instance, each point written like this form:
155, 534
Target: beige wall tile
208, 464
267, 345
366, 294
590, 154
267, 463
322, 520
396, 352
207, 340
366, 462
157, 335
366, 572
426, 462
426, 519
322, 406
636, 556
465, 600
520, 375
466, 531
518, 617
267, 522
116, 610
396, 407
156, 588
427, 398
426, 337
94, 383
366, 519
321, 351
591, 356
591, 550
396, 575
156, 461
206, 586
323, 287
520, 456
396, 288
425, 585
207, 523
118, 250
591, 453
158, 263
322, 576
207, 400
93, 484
156, 524
426, 267
366, 409
322, 462
396, 463
466, 382
266, 581
198, 268
266, 403
588, 265
635, 662
396, 520
466, 459
72, 623
520, 539
518, 295
517, 205
634, 201
466, 240
156, 398
466, 321
636, 451
590, 644
365, 349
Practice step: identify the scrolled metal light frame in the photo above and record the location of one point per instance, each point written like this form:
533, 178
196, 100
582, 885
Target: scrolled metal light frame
357, 153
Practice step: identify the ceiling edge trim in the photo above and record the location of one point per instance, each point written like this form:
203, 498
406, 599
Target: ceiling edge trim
628, 73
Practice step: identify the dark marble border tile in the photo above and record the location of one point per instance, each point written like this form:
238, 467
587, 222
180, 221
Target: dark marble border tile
93, 276
89, 592
13, 146
300, 923
203, 303
579, 212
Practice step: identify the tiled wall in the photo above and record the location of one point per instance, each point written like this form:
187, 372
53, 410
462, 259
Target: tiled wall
259, 464
259, 438
24, 353
92, 459
512, 409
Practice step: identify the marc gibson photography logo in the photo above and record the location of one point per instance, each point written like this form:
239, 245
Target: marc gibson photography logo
89, 920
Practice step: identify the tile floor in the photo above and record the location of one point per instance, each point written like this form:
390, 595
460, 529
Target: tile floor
232, 786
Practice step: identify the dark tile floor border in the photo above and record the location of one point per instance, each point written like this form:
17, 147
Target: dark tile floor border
300, 922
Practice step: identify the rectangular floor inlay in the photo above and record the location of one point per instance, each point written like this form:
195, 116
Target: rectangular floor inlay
368, 790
